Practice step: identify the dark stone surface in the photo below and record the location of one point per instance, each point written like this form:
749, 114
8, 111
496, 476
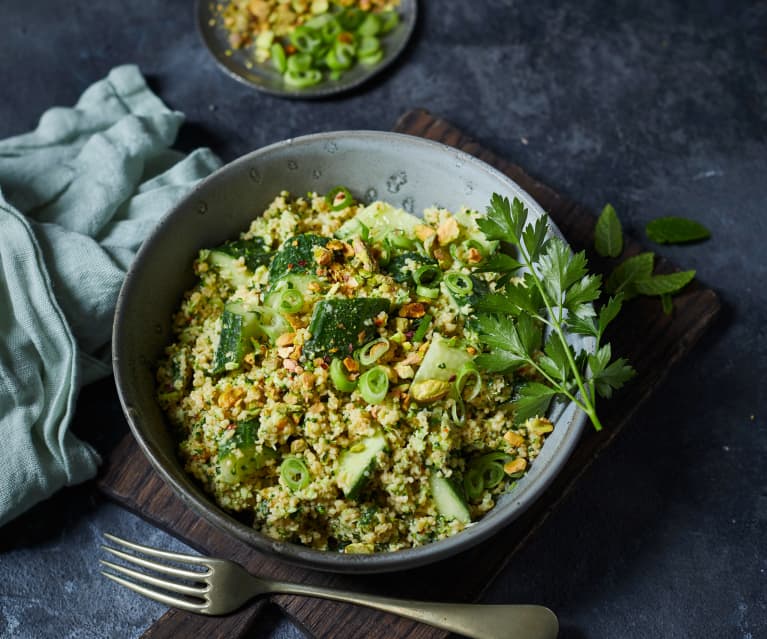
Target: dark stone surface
659, 111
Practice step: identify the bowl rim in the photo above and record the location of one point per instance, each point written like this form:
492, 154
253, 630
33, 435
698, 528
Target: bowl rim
291, 552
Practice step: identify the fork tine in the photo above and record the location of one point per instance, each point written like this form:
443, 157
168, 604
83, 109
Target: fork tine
168, 600
155, 552
157, 566
173, 586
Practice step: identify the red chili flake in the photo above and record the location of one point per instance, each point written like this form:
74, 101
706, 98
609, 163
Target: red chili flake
302, 263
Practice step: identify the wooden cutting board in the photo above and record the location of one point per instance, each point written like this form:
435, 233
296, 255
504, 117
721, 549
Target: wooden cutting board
652, 341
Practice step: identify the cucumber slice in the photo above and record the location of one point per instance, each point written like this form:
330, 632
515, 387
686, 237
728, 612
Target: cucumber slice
448, 499
356, 464
238, 272
443, 360
239, 457
381, 219
239, 325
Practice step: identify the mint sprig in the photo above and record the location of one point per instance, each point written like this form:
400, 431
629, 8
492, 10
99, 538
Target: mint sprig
556, 294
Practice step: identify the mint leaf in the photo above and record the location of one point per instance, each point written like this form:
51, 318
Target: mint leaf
676, 230
608, 233
663, 284
629, 271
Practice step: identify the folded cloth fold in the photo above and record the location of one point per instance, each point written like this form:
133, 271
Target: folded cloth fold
78, 195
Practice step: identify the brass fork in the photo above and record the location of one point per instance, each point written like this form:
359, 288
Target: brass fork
211, 586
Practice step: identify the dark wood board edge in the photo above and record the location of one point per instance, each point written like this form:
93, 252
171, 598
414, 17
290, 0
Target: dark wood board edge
574, 223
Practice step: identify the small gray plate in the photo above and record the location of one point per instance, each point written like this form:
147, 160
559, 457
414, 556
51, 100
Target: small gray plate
239, 64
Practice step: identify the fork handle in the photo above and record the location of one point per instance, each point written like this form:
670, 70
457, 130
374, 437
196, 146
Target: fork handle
480, 621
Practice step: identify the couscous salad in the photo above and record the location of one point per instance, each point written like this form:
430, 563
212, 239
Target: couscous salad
322, 379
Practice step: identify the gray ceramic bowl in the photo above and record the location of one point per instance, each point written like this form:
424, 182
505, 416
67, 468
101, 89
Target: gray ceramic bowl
407, 171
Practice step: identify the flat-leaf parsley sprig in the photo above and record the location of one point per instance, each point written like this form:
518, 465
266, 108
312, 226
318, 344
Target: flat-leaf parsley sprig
526, 321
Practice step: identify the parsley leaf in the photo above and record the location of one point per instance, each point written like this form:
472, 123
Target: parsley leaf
533, 400
503, 221
608, 233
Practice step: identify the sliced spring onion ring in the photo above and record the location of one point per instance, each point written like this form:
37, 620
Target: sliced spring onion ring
373, 385
339, 378
299, 62
459, 283
427, 275
370, 25
389, 20
368, 45
306, 39
423, 328
430, 292
291, 301
473, 483
372, 59
351, 18
468, 382
303, 79
373, 351
384, 252
294, 473
399, 240
339, 198
484, 473
279, 59
458, 411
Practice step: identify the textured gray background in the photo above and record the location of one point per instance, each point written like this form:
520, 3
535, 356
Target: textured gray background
659, 111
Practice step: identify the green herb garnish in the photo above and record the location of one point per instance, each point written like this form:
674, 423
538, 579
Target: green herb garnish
608, 233
676, 230
557, 293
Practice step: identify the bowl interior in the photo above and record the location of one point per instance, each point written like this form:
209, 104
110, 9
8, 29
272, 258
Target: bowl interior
408, 172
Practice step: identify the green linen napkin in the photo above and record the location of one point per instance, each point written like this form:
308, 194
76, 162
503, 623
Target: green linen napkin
77, 197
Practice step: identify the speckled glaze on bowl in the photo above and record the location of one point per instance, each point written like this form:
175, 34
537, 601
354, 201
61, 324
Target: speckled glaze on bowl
407, 171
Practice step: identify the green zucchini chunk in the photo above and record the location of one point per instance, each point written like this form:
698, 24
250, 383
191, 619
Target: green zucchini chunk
340, 325
402, 266
295, 256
